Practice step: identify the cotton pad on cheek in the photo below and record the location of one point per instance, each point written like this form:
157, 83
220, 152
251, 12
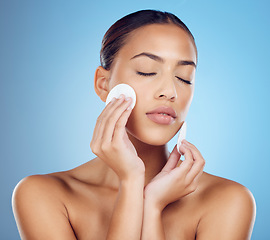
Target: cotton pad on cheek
124, 89
182, 135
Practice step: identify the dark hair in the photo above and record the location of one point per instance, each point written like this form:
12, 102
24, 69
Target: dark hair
117, 34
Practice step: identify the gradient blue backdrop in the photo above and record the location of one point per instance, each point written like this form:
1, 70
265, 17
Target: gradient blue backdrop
50, 50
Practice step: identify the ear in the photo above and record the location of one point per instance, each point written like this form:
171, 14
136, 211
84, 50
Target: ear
101, 83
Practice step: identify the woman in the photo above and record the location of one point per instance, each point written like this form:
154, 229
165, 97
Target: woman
135, 188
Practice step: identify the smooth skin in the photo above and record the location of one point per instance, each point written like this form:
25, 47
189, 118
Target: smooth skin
134, 188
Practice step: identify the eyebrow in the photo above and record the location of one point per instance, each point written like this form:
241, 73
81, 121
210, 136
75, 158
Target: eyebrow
161, 60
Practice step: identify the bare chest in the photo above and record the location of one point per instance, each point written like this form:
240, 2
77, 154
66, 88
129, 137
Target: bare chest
90, 216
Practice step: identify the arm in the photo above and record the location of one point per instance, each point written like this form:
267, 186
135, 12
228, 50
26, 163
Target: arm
110, 143
171, 184
38, 212
126, 221
152, 223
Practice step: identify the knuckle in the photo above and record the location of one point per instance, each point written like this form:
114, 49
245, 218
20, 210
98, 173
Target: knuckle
180, 178
104, 147
202, 162
110, 120
93, 148
115, 146
99, 119
190, 146
91, 145
193, 146
189, 152
189, 162
118, 125
192, 187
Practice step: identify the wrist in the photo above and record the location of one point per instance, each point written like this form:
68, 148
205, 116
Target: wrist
133, 174
151, 204
133, 180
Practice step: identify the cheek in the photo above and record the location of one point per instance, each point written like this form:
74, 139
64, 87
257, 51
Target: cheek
184, 101
144, 129
121, 73
147, 98
141, 128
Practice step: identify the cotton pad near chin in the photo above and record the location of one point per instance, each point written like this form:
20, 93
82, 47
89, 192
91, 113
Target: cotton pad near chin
124, 89
182, 135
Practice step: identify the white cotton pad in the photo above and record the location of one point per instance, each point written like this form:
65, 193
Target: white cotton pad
182, 135
119, 89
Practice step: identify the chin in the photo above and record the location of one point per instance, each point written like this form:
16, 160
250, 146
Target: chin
152, 137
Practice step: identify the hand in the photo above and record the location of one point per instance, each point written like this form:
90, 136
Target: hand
110, 141
174, 181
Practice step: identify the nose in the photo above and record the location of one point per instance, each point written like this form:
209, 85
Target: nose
166, 90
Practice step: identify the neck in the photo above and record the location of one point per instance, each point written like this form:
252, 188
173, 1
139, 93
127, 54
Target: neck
154, 157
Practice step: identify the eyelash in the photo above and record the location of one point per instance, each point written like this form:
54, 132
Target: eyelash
152, 74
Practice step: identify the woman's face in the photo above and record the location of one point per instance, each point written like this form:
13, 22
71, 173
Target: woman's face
154, 61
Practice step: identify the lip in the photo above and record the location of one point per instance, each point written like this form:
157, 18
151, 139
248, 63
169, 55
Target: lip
162, 115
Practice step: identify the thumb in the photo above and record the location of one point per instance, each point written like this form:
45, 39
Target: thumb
172, 160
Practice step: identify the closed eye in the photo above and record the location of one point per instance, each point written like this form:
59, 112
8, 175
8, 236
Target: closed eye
153, 73
183, 80
146, 74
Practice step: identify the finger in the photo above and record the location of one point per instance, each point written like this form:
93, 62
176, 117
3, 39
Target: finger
198, 165
196, 151
95, 135
172, 160
105, 115
110, 124
102, 119
195, 171
196, 179
106, 111
187, 163
120, 130
111, 107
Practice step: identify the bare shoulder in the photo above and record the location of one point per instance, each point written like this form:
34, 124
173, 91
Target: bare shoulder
57, 185
37, 192
37, 201
228, 207
218, 189
35, 186
40, 180
55, 188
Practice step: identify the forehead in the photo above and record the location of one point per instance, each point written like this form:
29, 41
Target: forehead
167, 40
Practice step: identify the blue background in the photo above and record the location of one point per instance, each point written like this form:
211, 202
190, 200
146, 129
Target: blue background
50, 50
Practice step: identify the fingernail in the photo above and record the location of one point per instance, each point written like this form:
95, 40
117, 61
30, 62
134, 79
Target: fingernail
184, 145
121, 96
127, 99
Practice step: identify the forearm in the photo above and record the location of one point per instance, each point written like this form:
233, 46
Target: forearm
152, 223
126, 221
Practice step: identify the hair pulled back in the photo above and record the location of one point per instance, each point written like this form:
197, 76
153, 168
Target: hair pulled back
117, 34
